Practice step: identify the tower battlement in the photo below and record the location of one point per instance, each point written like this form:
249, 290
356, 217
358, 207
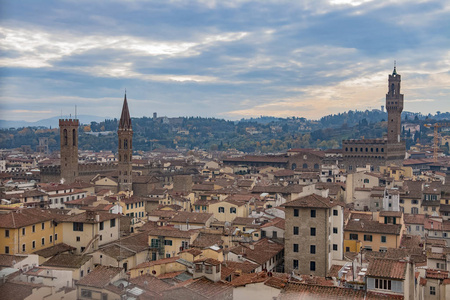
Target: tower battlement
69, 122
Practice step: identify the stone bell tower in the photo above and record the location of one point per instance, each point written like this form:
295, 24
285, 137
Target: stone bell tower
394, 107
125, 133
68, 130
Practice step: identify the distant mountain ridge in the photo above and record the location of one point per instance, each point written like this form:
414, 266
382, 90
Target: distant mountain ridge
50, 122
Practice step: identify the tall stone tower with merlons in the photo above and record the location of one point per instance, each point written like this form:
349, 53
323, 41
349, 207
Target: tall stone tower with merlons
125, 134
68, 130
394, 107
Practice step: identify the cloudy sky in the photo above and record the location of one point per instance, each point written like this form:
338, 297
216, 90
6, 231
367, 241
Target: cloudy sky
220, 58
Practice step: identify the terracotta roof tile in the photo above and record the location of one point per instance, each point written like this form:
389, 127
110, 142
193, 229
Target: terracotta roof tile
312, 200
436, 274
245, 266
192, 217
149, 282
372, 226
206, 288
162, 261
24, 217
54, 250
63, 260
100, 276
387, 268
7, 260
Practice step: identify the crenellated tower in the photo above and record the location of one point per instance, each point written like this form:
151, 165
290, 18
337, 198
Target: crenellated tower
394, 107
125, 134
68, 130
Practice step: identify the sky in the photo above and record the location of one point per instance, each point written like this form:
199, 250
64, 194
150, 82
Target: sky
228, 59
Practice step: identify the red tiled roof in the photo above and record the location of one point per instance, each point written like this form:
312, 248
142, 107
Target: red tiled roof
206, 288
152, 263
7, 260
312, 200
24, 217
100, 276
387, 268
436, 274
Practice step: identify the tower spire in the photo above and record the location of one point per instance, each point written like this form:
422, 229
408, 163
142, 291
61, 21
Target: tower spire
125, 120
395, 68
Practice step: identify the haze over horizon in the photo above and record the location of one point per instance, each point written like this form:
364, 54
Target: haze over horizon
224, 59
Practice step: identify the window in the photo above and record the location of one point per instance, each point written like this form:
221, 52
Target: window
154, 243
432, 290
43, 226
33, 244
296, 212
85, 293
335, 247
77, 226
312, 231
313, 213
6, 233
335, 230
51, 239
312, 265
23, 231
23, 248
347, 249
6, 250
274, 234
295, 230
335, 212
368, 237
33, 229
208, 269
312, 249
167, 255
168, 242
56, 236
295, 248
112, 223
102, 224
232, 210
353, 236
414, 202
43, 241
383, 239
221, 209
78, 239
295, 263
383, 284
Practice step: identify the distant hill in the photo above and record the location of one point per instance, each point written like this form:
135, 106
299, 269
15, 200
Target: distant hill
51, 122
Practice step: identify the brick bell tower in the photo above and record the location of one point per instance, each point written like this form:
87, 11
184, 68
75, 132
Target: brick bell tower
394, 107
125, 133
68, 130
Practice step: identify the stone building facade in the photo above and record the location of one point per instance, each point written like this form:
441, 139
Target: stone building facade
313, 235
380, 152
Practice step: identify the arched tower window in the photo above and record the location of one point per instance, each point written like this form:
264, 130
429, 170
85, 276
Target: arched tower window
305, 166
316, 166
65, 136
393, 89
125, 144
294, 166
74, 137
120, 143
